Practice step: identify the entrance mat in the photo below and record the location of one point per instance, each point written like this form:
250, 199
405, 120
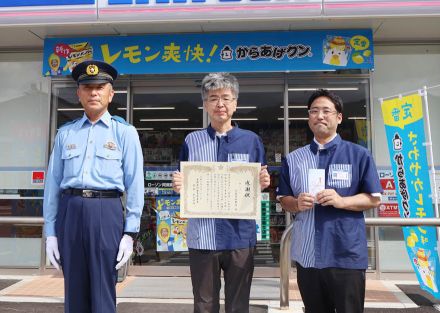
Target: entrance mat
173, 308
418, 296
27, 307
5, 283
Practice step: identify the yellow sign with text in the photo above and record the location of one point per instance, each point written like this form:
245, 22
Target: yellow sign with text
399, 112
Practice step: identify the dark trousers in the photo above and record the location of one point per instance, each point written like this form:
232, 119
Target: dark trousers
238, 269
331, 290
89, 231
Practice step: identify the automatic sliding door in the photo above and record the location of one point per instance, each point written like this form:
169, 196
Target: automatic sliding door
163, 117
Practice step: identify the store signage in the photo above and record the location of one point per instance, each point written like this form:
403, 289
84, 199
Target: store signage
191, 10
22, 12
325, 50
21, 3
171, 228
389, 206
404, 124
38, 178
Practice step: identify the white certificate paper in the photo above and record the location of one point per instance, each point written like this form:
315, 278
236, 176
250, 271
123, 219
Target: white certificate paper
220, 190
316, 180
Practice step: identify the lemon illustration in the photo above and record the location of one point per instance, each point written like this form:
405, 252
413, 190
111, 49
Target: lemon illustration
357, 58
410, 242
367, 53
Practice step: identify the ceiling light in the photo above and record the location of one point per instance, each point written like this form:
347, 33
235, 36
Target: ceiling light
245, 119
357, 118
149, 108
245, 107
238, 107
294, 119
154, 108
295, 107
120, 91
164, 120
70, 109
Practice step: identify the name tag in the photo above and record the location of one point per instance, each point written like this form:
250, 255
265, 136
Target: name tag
238, 157
339, 175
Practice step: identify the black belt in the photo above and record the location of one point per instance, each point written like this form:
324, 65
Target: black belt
89, 193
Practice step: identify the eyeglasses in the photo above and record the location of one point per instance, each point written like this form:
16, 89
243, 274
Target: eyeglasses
225, 100
325, 112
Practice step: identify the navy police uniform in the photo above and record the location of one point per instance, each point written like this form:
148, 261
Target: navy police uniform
91, 166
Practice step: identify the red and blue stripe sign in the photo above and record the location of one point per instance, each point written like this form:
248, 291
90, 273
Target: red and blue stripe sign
23, 3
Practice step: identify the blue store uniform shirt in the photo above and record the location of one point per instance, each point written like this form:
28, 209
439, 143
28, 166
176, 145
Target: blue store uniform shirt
103, 156
326, 236
237, 145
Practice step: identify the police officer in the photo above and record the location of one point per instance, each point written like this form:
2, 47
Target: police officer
94, 160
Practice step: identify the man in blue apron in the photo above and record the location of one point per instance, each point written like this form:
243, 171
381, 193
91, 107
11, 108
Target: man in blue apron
95, 159
219, 244
327, 185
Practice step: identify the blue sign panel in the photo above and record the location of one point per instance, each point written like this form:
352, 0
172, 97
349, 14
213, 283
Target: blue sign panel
22, 3
404, 125
200, 53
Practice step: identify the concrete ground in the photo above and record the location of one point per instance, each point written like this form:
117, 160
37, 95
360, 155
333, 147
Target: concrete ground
38, 293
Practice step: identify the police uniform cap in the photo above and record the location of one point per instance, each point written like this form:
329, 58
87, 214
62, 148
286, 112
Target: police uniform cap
94, 72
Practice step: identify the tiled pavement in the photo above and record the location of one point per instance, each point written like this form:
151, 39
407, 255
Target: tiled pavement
265, 290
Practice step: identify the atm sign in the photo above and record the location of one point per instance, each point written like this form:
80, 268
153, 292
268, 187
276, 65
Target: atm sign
38, 177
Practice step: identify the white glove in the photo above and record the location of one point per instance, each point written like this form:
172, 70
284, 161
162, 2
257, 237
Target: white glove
125, 251
52, 251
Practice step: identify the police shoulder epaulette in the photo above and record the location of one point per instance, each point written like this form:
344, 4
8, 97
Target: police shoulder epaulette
119, 119
69, 122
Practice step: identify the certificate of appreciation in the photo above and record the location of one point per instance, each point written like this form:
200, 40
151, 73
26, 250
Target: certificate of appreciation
220, 190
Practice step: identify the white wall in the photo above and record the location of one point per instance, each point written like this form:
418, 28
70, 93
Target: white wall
398, 70
24, 119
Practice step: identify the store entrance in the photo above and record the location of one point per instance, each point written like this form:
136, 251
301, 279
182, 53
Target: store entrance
164, 109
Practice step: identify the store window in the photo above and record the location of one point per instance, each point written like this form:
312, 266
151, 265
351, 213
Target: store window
24, 129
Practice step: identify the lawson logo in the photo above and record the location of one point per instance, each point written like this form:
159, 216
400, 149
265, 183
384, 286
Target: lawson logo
27, 3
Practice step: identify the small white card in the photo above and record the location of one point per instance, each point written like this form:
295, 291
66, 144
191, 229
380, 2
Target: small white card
316, 180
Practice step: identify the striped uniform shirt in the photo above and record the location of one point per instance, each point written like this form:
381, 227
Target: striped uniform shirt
237, 145
326, 236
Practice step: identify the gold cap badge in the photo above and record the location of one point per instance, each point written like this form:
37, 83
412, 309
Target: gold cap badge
92, 70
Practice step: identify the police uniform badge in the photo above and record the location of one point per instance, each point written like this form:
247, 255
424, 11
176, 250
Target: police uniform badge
110, 145
71, 146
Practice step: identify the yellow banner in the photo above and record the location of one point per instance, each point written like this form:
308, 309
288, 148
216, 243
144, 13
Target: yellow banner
400, 112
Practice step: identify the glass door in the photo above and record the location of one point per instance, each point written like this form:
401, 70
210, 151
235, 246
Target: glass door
260, 110
164, 111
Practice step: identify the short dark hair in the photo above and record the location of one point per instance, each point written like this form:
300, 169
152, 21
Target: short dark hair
337, 101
